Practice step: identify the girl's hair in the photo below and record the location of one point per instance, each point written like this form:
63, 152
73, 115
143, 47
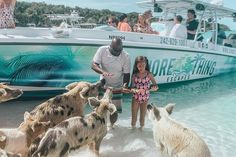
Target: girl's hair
140, 59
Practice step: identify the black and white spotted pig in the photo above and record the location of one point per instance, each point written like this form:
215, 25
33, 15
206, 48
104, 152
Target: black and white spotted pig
75, 132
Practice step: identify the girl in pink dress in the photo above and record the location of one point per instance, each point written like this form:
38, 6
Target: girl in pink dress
141, 87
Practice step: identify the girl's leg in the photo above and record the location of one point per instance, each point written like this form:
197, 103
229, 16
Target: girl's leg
134, 110
143, 109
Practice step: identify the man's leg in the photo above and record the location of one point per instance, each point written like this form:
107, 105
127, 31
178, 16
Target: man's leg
117, 101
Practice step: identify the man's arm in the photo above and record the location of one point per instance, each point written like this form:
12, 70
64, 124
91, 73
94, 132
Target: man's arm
126, 79
124, 89
126, 71
97, 60
96, 68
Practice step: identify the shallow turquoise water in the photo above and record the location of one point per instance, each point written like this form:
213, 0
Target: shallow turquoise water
207, 106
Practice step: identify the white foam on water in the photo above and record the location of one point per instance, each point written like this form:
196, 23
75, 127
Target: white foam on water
124, 142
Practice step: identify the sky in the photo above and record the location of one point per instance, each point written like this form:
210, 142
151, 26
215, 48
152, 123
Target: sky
127, 6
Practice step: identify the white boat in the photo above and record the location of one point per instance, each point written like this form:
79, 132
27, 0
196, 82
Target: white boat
35, 58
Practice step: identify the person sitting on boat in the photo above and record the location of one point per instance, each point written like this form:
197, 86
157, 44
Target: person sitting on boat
179, 30
113, 63
220, 35
7, 13
111, 25
113, 21
143, 27
147, 16
191, 24
123, 24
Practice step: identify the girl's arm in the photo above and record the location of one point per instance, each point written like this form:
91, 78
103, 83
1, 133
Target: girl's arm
154, 86
132, 88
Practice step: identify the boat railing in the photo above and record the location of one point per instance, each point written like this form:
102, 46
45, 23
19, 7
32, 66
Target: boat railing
102, 37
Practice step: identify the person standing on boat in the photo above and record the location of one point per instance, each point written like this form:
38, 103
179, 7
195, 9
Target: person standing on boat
178, 30
113, 63
143, 27
147, 16
220, 35
7, 13
191, 24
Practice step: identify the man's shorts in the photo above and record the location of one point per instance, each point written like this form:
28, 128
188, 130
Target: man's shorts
116, 100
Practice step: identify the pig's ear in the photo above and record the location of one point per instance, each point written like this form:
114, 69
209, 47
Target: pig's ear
18, 155
27, 116
112, 108
5, 83
3, 138
71, 86
93, 102
3, 92
84, 92
156, 113
150, 106
169, 108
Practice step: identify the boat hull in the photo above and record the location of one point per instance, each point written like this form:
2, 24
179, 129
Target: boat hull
56, 65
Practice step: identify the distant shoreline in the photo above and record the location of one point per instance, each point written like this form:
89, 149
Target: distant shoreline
35, 13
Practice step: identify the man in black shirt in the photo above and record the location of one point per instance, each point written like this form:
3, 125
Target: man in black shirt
191, 24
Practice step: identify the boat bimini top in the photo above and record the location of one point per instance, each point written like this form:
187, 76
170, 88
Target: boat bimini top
181, 7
